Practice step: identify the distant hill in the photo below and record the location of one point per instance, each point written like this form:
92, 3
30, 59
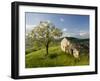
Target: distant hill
73, 39
81, 44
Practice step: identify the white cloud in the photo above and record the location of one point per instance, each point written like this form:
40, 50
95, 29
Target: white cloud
67, 34
64, 29
61, 19
30, 26
84, 34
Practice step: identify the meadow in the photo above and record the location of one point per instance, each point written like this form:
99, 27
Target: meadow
55, 58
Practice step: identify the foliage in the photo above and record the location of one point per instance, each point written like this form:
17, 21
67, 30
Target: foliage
44, 33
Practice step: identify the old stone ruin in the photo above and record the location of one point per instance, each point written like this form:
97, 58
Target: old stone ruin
70, 48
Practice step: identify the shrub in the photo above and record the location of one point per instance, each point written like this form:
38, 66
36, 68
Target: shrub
52, 56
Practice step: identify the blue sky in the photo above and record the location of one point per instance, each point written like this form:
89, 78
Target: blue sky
71, 25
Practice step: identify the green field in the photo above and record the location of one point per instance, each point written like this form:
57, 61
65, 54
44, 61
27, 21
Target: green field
55, 58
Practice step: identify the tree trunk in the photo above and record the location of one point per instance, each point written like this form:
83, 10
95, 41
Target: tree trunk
47, 49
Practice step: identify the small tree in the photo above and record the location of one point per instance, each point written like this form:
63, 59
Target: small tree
44, 33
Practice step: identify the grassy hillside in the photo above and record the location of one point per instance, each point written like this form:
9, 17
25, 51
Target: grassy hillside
83, 43
55, 58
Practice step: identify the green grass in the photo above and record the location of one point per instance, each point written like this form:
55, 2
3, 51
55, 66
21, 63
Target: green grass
55, 58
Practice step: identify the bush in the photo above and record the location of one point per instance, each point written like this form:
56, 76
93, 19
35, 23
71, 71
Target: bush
52, 56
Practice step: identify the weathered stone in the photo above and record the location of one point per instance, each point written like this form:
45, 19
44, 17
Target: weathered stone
69, 48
